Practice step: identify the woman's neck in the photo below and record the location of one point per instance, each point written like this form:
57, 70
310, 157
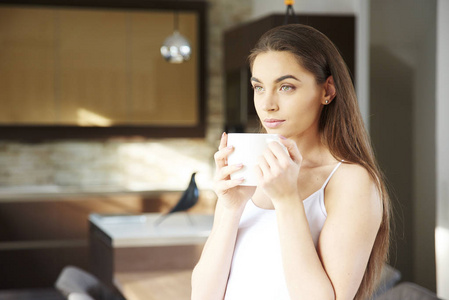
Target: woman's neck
313, 151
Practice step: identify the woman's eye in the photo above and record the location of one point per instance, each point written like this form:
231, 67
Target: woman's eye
286, 88
258, 89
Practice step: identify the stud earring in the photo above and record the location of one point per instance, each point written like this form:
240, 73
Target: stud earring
327, 101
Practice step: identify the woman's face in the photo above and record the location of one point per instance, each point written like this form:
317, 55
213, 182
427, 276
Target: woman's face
287, 98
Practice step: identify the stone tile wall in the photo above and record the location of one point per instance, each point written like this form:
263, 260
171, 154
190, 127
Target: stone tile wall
168, 163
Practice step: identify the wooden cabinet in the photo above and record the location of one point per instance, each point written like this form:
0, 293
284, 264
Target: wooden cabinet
99, 66
27, 64
121, 244
93, 68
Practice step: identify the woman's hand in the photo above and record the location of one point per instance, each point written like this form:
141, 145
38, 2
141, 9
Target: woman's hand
228, 190
278, 171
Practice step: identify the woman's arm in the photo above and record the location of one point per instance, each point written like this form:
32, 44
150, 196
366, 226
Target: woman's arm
210, 276
354, 209
303, 270
354, 213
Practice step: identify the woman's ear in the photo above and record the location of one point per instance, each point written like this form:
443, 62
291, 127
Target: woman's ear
331, 92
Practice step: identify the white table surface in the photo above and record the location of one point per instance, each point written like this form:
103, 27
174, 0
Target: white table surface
181, 228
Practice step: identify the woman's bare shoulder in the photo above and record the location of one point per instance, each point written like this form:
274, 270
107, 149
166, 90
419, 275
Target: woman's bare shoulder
352, 186
351, 175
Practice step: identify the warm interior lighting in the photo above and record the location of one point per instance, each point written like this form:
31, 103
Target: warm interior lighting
176, 48
88, 118
442, 258
171, 164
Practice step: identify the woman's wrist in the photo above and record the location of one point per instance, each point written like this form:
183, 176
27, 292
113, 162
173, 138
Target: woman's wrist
287, 203
231, 210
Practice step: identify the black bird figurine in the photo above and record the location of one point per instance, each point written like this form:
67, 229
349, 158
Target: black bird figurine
188, 199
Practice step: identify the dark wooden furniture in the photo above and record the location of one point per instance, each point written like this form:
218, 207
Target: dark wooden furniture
43, 230
155, 285
32, 294
134, 244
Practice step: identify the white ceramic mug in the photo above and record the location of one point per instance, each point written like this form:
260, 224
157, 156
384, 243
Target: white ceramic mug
248, 147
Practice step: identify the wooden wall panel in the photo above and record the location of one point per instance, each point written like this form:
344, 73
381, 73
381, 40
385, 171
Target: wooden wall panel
27, 63
95, 68
162, 93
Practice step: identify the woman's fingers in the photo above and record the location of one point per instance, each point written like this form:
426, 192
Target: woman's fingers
292, 149
223, 185
221, 156
279, 157
223, 179
223, 141
271, 160
225, 172
264, 166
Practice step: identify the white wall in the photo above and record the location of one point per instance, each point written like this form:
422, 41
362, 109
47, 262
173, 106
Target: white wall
403, 67
442, 158
358, 8
424, 144
362, 13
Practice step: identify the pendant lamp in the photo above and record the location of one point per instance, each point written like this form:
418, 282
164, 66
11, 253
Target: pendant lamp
176, 48
290, 12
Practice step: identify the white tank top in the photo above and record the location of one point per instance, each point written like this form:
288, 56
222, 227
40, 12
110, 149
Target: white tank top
256, 269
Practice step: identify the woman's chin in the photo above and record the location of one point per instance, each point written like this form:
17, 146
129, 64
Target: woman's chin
274, 131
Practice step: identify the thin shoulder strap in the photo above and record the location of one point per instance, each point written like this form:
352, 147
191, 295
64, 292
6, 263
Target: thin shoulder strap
330, 176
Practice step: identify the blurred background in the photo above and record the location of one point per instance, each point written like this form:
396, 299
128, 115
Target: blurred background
94, 120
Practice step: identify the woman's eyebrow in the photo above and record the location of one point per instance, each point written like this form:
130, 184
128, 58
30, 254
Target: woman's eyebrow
278, 79
286, 77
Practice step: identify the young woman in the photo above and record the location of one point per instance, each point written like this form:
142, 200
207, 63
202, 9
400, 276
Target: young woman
317, 225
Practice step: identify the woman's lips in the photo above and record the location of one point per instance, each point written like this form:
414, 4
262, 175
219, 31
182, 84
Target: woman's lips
273, 123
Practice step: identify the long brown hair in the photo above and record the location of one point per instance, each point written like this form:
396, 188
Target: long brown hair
341, 125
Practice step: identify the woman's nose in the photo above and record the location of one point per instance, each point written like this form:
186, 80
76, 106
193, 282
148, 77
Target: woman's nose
270, 103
